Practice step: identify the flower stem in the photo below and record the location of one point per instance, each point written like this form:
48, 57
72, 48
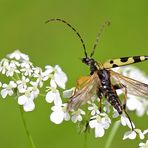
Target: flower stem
17, 76
26, 128
112, 135
14, 79
85, 139
43, 95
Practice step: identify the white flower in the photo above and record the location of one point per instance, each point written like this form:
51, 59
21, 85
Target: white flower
25, 64
129, 135
22, 84
100, 122
59, 114
58, 77
4, 65
8, 89
38, 74
35, 91
53, 95
138, 104
18, 55
12, 68
26, 68
94, 109
48, 71
99, 130
144, 145
68, 93
77, 115
107, 106
132, 134
126, 122
141, 134
9, 67
27, 100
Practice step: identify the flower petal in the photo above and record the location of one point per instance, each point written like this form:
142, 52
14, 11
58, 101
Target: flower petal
4, 93
66, 116
49, 69
10, 92
54, 96
57, 100
132, 103
53, 83
92, 123
50, 96
123, 122
60, 79
130, 135
99, 131
29, 106
57, 117
22, 99
68, 93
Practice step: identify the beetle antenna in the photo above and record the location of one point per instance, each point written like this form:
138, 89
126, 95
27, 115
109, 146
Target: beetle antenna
106, 23
63, 21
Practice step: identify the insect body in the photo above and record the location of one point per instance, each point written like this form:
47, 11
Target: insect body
104, 86
103, 76
107, 90
100, 81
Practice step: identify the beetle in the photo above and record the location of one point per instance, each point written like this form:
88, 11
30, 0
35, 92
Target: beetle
101, 78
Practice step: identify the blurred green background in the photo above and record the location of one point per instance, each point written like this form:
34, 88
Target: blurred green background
22, 27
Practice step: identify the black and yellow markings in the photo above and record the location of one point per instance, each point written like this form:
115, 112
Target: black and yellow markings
124, 61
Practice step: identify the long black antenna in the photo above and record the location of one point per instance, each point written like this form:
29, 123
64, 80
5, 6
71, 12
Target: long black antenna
63, 21
106, 23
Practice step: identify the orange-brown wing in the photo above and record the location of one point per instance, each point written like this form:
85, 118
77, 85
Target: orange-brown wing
134, 87
84, 93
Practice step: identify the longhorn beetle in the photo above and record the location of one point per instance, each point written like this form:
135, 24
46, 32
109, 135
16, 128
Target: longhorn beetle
101, 78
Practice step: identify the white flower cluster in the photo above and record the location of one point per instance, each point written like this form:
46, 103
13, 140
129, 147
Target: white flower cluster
99, 121
27, 79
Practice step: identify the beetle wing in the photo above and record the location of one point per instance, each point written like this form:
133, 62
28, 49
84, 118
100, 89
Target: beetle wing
84, 93
134, 87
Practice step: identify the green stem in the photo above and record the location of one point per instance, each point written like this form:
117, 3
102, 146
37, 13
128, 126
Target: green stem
17, 76
26, 128
13, 79
85, 139
42, 95
112, 135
